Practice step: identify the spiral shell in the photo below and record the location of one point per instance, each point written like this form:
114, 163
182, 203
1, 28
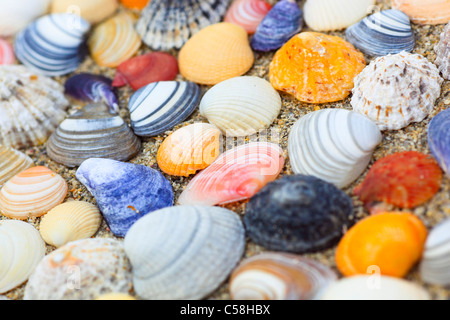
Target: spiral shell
442, 50
439, 139
94, 11
425, 11
247, 13
16, 15
12, 162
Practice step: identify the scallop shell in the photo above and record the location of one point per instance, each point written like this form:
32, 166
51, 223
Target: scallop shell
22, 249
443, 53
335, 145
425, 11
6, 52
297, 65
439, 139
385, 32
279, 276
216, 53
241, 106
12, 162
327, 15
247, 13
165, 25
95, 265
53, 45
160, 106
396, 90
94, 11
70, 221
16, 15
189, 149
237, 174
92, 132
211, 239
115, 40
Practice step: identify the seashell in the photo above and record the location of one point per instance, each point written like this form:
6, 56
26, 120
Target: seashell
165, 25
160, 106
70, 221
241, 106
328, 15
443, 53
296, 67
425, 11
189, 149
22, 249
147, 68
404, 179
134, 4
283, 21
53, 45
6, 52
32, 193
97, 265
12, 162
298, 213
335, 145
16, 15
396, 90
211, 239
216, 53
247, 13
93, 11
92, 132
115, 40
279, 276
379, 240
125, 192
92, 87
115, 296
366, 287
31, 107
385, 32
237, 174
439, 139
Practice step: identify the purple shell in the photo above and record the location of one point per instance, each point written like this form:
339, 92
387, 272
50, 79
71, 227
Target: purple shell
282, 22
439, 139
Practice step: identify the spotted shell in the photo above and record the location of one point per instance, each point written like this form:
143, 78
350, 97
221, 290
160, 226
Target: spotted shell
442, 50
16, 15
247, 13
94, 11
6, 52
425, 11
439, 139
12, 162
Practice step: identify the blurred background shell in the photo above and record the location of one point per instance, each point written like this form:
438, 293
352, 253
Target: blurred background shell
12, 162
425, 11
6, 52
247, 13
16, 15
134, 4
439, 139
94, 11
443, 53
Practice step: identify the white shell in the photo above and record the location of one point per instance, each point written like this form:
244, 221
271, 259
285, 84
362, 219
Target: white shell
335, 145
15, 15
241, 106
443, 53
21, 249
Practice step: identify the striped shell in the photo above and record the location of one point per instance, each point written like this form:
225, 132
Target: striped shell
12, 162
94, 11
439, 139
6, 52
16, 15
32, 193
442, 50
425, 11
247, 13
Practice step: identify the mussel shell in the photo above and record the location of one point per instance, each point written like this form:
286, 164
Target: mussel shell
12, 162
439, 139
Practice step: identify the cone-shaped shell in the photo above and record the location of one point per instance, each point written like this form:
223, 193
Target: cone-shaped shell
425, 11
439, 139
12, 162
16, 15
247, 13
216, 53
6, 52
94, 11
443, 53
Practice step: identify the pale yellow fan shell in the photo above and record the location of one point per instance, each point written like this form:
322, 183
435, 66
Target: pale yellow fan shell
12, 162
93, 11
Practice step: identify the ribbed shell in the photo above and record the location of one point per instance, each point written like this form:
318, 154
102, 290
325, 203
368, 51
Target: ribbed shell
6, 52
16, 15
94, 11
247, 13
425, 11
12, 162
439, 139
443, 53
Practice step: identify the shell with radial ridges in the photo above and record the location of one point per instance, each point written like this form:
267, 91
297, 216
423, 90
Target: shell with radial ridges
12, 162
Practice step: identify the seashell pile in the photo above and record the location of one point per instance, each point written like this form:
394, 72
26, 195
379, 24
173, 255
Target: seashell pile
439, 139
247, 13
12, 162
443, 53
425, 11
16, 15
94, 11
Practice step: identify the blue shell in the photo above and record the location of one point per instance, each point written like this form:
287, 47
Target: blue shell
283, 21
125, 192
439, 139
382, 33
53, 45
160, 106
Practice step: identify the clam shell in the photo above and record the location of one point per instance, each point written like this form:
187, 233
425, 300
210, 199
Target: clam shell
335, 145
237, 174
32, 193
241, 106
425, 11
211, 241
247, 13
395, 90
92, 132
216, 53
6, 52
70, 221
439, 139
94, 11
95, 265
385, 32
12, 162
443, 53
279, 276
22, 249
165, 25
16, 15
160, 106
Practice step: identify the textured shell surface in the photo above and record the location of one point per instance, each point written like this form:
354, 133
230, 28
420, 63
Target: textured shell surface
382, 33
335, 145
12, 162
53, 45
439, 139
442, 50
160, 106
184, 252
396, 90
168, 24
279, 276
94, 11
92, 132
32, 193
298, 213
425, 11
21, 250
247, 13
237, 174
16, 15
31, 106
241, 106
6, 52
95, 265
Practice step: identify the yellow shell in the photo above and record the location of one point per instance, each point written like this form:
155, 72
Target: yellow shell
115, 296
12, 162
93, 11
218, 52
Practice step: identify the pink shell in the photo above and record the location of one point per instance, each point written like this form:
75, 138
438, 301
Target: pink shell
247, 13
6, 52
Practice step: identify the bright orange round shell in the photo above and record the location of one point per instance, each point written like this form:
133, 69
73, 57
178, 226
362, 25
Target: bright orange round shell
316, 68
134, 4
390, 241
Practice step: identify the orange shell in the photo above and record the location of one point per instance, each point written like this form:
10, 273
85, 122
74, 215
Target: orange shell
390, 241
216, 53
135, 4
316, 68
425, 11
